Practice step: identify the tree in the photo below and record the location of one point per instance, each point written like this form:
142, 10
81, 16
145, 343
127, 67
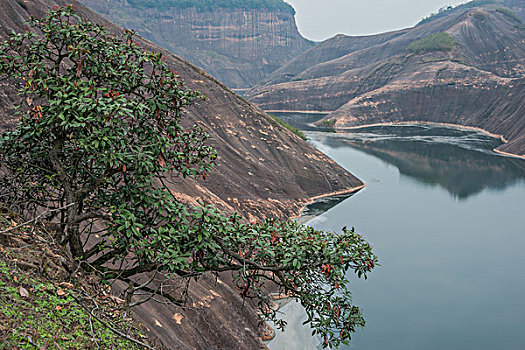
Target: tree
98, 143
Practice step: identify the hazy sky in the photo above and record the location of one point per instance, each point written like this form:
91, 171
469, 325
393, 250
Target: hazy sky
322, 19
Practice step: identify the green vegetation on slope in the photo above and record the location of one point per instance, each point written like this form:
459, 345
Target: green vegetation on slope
433, 42
447, 10
45, 320
42, 308
509, 13
209, 5
327, 123
479, 15
288, 126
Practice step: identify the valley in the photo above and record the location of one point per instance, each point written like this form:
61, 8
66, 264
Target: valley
467, 71
415, 137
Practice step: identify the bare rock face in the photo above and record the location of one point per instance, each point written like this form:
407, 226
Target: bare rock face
238, 46
264, 171
478, 82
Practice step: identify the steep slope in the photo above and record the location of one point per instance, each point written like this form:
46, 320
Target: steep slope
43, 307
476, 81
264, 171
517, 6
328, 50
237, 42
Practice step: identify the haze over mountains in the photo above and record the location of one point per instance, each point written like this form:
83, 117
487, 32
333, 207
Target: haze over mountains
475, 79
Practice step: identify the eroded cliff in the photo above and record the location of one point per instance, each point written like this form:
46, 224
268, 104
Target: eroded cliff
237, 45
477, 81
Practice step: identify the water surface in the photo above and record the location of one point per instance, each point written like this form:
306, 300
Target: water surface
446, 216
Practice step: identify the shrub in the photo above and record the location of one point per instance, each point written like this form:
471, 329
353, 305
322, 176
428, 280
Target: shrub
99, 142
327, 123
293, 129
433, 42
479, 15
510, 14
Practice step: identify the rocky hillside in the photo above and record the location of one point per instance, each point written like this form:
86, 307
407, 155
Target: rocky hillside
466, 67
264, 171
237, 42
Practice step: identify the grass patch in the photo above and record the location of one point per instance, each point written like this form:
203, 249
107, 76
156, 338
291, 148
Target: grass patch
433, 42
42, 307
293, 129
327, 123
44, 319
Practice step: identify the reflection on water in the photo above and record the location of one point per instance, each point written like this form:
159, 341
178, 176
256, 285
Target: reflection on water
320, 206
461, 161
452, 272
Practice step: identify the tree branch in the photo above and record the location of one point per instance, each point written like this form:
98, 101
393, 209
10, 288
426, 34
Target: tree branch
157, 292
247, 261
114, 330
5, 232
87, 216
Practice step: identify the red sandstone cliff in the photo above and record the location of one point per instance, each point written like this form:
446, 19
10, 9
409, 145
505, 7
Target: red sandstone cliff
237, 46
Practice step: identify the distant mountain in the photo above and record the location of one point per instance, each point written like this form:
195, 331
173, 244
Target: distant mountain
516, 6
239, 42
464, 66
264, 171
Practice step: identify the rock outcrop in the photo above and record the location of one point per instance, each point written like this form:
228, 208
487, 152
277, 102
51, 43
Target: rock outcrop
264, 171
477, 82
238, 45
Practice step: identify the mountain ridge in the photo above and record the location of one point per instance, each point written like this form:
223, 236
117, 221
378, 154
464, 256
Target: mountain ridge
382, 82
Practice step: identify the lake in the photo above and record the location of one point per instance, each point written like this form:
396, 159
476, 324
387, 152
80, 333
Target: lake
446, 217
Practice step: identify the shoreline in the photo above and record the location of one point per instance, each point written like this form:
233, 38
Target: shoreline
512, 155
474, 128
311, 200
466, 127
291, 111
358, 188
459, 126
283, 300
486, 132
